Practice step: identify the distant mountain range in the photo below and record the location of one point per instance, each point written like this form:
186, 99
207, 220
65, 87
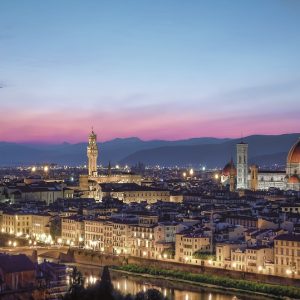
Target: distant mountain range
212, 152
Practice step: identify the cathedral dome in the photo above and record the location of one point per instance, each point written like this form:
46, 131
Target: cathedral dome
294, 179
294, 154
226, 170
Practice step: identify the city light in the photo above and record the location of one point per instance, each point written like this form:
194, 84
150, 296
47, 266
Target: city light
260, 268
173, 169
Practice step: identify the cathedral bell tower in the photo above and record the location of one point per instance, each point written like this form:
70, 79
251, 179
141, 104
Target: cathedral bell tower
242, 165
92, 154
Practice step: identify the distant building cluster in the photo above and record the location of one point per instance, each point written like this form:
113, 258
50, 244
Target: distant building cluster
241, 218
253, 178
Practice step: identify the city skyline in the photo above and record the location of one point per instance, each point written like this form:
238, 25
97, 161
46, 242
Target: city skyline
168, 70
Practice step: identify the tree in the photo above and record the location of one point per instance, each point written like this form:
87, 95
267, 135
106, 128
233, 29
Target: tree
76, 290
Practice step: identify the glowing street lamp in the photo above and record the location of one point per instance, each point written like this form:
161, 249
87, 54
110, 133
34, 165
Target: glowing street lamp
260, 268
46, 169
184, 174
33, 169
191, 172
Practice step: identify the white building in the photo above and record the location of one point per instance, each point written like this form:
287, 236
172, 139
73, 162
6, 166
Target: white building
242, 165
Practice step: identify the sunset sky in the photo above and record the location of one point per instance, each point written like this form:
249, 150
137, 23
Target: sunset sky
155, 69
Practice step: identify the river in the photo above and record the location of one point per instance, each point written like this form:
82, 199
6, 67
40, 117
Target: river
174, 290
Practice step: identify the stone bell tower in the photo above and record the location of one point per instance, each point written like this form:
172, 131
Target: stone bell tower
242, 165
92, 154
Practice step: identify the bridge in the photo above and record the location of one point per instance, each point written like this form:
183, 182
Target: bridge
49, 252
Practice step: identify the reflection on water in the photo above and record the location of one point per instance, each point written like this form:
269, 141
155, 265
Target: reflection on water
134, 284
129, 286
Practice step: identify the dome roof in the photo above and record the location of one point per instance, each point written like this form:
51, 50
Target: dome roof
227, 168
294, 179
294, 154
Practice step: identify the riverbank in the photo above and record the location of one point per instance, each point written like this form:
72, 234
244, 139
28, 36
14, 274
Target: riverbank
215, 282
175, 289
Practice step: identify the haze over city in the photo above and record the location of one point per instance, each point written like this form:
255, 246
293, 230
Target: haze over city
169, 70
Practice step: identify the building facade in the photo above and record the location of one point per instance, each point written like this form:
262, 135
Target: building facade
92, 153
242, 165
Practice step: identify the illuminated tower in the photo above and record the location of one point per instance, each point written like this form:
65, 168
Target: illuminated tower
92, 153
242, 165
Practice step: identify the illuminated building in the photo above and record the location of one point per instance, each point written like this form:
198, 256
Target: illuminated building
92, 153
256, 179
90, 183
287, 255
242, 165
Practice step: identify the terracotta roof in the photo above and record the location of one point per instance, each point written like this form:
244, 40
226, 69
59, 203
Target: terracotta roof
294, 154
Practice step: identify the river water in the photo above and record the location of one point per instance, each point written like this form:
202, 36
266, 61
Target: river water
174, 290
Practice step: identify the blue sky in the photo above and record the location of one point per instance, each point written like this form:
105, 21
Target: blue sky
153, 69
